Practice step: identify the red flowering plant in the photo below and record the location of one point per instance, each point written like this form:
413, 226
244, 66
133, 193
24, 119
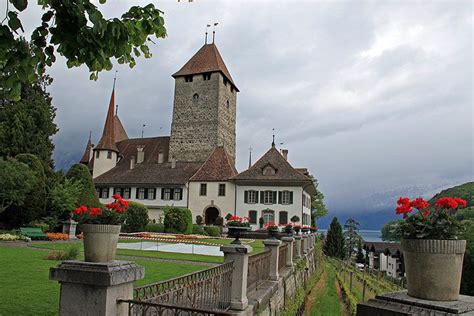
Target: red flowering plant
238, 221
429, 221
297, 228
288, 227
271, 226
110, 214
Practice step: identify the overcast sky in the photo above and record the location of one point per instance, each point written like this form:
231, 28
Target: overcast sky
375, 99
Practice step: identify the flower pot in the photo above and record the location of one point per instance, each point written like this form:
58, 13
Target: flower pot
273, 233
236, 232
433, 268
100, 242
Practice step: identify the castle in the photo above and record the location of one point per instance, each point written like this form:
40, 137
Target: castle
194, 167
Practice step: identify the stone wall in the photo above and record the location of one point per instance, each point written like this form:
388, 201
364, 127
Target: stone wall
201, 123
272, 297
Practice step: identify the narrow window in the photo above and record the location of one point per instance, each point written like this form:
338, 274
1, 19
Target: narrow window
206, 76
97, 154
178, 194
268, 197
252, 197
188, 78
283, 218
228, 104
253, 217
151, 193
167, 194
141, 194
195, 97
286, 197
203, 189
126, 193
105, 193
109, 155
221, 189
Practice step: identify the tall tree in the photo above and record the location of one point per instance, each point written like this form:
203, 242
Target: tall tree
318, 208
88, 195
389, 231
351, 235
76, 30
16, 182
26, 126
334, 245
360, 258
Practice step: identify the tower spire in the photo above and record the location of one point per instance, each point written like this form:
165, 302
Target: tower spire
107, 141
214, 32
250, 156
273, 138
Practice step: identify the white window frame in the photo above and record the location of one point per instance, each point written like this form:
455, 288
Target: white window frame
141, 194
167, 194
252, 196
268, 197
151, 194
177, 192
127, 192
268, 216
285, 197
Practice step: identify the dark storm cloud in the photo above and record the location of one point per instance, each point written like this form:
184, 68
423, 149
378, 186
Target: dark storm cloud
376, 99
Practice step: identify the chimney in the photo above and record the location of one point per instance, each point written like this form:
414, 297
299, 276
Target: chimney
161, 157
173, 163
132, 162
284, 152
140, 154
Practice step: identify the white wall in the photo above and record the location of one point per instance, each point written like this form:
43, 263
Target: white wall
242, 209
198, 204
155, 207
103, 164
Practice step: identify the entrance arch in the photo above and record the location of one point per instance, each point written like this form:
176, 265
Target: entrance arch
210, 215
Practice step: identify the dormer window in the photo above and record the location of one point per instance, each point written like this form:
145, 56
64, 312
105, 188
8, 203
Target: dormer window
195, 97
269, 171
188, 78
206, 76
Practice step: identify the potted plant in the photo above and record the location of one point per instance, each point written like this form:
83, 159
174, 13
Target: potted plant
297, 229
305, 229
288, 229
101, 229
313, 229
237, 225
433, 255
272, 229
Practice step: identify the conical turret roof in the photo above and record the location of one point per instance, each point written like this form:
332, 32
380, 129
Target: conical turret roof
107, 141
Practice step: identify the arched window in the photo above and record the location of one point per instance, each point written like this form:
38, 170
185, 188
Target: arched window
268, 216
196, 97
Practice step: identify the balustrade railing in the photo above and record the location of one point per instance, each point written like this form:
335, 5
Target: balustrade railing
302, 246
282, 253
295, 246
258, 270
206, 291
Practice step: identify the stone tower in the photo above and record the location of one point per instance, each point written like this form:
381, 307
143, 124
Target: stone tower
204, 110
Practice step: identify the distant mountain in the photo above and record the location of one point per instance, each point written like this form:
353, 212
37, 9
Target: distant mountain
464, 191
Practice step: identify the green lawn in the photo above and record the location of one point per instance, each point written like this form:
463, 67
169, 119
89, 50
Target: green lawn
26, 290
324, 297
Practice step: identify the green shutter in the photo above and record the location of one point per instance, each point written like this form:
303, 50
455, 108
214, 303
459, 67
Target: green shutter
256, 198
274, 197
246, 197
136, 192
291, 197
262, 196
279, 197
162, 193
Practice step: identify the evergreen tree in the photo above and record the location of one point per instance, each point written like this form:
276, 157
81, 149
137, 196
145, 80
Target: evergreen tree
16, 182
352, 236
26, 126
360, 255
88, 195
334, 245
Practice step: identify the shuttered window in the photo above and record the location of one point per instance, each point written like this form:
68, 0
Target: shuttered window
253, 217
285, 197
151, 193
250, 197
283, 217
177, 194
126, 193
268, 197
141, 194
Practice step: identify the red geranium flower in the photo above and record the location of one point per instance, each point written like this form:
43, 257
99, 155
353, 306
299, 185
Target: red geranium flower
461, 202
419, 203
447, 202
117, 196
95, 211
425, 213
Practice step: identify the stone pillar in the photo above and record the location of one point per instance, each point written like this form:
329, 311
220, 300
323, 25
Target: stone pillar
69, 227
298, 241
240, 255
305, 244
289, 254
273, 245
89, 288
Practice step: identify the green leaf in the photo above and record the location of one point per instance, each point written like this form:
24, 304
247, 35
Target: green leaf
13, 21
20, 5
47, 16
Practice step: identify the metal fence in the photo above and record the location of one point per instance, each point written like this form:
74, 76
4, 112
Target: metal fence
259, 269
282, 253
204, 292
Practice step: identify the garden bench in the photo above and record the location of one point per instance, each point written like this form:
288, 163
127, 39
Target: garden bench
32, 232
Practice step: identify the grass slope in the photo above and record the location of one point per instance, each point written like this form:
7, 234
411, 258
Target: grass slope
464, 191
26, 289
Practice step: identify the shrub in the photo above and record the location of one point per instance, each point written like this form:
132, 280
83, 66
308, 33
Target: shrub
9, 237
39, 224
69, 253
199, 229
136, 217
88, 195
178, 220
199, 220
155, 228
295, 219
219, 221
214, 231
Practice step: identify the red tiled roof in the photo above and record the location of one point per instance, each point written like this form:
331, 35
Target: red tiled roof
119, 132
218, 167
149, 171
207, 59
107, 141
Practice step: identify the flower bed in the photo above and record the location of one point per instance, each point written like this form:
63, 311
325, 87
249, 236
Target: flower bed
57, 236
10, 237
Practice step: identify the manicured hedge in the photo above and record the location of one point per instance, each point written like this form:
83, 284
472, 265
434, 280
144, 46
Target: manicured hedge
155, 228
214, 231
199, 229
178, 220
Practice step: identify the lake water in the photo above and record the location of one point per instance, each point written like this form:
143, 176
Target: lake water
168, 247
367, 235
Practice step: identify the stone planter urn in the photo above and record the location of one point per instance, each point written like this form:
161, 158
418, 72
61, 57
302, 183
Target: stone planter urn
273, 233
236, 232
100, 242
433, 268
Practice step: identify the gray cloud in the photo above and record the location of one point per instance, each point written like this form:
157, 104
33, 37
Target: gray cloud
376, 99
